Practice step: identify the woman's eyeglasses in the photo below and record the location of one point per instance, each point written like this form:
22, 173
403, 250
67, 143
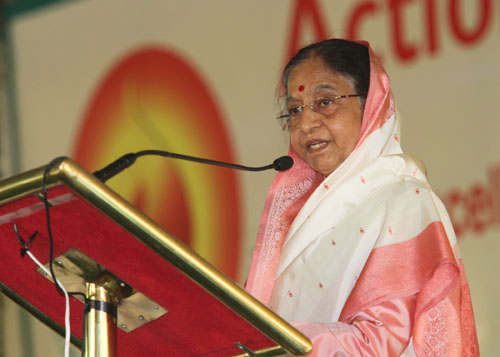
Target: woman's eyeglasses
323, 105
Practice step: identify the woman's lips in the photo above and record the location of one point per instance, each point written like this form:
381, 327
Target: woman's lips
316, 145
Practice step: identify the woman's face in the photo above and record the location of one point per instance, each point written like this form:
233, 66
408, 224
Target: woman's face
323, 141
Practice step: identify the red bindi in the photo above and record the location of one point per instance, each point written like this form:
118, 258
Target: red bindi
301, 88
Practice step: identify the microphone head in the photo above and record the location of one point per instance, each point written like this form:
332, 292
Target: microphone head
283, 163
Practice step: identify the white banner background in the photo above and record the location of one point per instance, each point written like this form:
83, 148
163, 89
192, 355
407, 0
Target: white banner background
446, 87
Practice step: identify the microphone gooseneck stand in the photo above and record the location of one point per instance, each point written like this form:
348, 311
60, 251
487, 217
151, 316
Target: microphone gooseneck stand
280, 164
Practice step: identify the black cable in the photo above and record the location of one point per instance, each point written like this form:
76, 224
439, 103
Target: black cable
73, 293
25, 245
47, 217
49, 226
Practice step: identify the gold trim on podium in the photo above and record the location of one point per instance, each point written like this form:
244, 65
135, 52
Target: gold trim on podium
177, 253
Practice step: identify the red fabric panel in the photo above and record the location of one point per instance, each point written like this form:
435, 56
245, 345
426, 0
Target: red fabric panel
196, 324
424, 264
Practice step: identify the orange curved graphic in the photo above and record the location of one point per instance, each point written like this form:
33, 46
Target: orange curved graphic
152, 99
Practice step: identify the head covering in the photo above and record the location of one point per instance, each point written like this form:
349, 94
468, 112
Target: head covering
368, 198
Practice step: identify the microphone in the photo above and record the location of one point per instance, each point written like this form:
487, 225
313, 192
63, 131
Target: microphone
280, 164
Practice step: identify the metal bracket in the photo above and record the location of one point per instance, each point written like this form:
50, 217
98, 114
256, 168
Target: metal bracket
74, 269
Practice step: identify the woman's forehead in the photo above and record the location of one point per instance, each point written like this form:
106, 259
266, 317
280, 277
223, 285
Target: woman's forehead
335, 88
321, 88
313, 76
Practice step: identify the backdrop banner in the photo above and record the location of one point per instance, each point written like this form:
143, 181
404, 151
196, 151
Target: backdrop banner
94, 80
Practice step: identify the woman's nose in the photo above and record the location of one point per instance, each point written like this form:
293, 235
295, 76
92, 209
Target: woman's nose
310, 118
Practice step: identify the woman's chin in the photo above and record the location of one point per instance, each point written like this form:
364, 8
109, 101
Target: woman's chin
323, 165
323, 169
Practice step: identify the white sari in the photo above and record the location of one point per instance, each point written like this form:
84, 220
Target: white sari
365, 261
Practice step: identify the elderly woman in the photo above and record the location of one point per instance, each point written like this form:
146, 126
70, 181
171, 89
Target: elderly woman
354, 248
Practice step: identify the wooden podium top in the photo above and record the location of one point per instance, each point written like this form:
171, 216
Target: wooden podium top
207, 312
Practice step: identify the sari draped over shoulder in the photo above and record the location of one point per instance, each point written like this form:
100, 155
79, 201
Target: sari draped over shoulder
365, 261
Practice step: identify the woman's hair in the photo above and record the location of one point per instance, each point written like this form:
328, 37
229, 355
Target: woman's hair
343, 57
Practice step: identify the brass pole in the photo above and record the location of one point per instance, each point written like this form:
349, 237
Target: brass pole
100, 322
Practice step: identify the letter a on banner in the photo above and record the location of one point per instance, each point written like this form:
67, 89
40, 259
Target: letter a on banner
305, 10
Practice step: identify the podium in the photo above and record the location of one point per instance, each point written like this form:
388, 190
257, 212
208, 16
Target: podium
168, 300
